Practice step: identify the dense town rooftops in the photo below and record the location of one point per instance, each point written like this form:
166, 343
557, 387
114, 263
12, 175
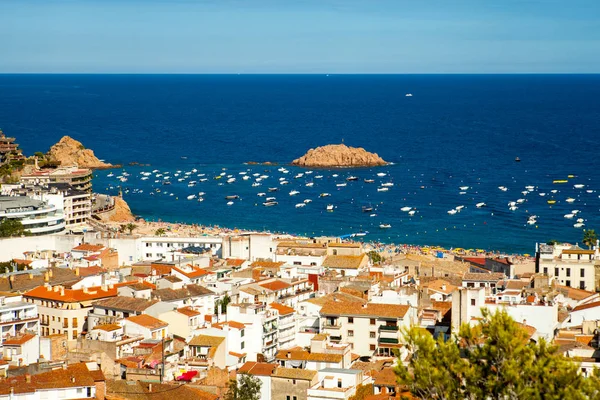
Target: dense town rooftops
256, 368
294, 373
88, 247
344, 262
123, 303
364, 310
206, 341
75, 375
63, 295
483, 277
180, 294
275, 285
188, 311
337, 296
283, 309
108, 327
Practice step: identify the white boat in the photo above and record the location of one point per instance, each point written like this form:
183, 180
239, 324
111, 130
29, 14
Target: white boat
524, 192
579, 186
200, 199
512, 203
589, 191
270, 199
144, 178
580, 220
318, 176
308, 172
230, 203
373, 215
554, 191
324, 195
387, 184
269, 203
335, 175
329, 207
310, 184
570, 200
283, 182
411, 212
578, 225
542, 194
341, 184
298, 176
351, 178
232, 197
406, 209
503, 188
369, 180
264, 176
261, 194
464, 188
531, 221
569, 216
191, 197
245, 177
294, 192
530, 188
299, 205
385, 226
452, 212
308, 201
382, 189
255, 184
381, 174
520, 201
408, 95
462, 192
110, 175
513, 208
230, 180
479, 205
575, 211
201, 194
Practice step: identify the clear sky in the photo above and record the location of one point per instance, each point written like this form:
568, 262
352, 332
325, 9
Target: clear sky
300, 36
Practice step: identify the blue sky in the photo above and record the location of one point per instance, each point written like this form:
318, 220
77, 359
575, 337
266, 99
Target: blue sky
300, 36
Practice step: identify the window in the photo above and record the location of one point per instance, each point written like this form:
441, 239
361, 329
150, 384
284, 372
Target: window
53, 318
582, 285
148, 255
473, 302
293, 383
582, 273
242, 345
556, 273
372, 335
242, 332
568, 271
567, 283
297, 263
148, 244
350, 320
288, 397
372, 321
339, 383
372, 347
350, 333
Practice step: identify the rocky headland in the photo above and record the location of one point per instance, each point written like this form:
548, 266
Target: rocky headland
339, 155
69, 151
121, 212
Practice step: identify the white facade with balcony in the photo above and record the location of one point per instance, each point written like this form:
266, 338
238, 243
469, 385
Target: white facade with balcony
337, 383
262, 329
17, 317
37, 217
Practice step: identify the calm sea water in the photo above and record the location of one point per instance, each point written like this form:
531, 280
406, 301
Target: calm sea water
456, 130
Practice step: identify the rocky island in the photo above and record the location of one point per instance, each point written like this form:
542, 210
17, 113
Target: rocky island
339, 155
69, 151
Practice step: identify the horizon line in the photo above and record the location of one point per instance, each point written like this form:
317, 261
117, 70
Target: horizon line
300, 73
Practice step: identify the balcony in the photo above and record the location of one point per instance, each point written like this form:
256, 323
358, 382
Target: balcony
388, 340
390, 328
334, 338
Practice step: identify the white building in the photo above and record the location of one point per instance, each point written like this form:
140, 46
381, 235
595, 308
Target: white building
569, 265
337, 383
251, 246
261, 330
17, 317
37, 217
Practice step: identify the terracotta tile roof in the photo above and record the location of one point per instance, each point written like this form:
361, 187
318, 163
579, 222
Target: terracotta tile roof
283, 310
231, 324
366, 310
475, 260
195, 273
340, 296
75, 375
108, 327
18, 340
275, 285
90, 271
442, 305
346, 245
292, 244
296, 354
127, 304
326, 357
266, 264
513, 284
256, 368
24, 262
179, 294
147, 321
294, 373
578, 251
189, 311
206, 341
440, 285
238, 355
527, 328
344, 262
70, 295
129, 390
483, 277
88, 247
385, 377
587, 306
235, 262
573, 293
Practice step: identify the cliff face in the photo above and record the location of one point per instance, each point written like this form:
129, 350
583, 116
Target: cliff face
69, 151
338, 155
121, 213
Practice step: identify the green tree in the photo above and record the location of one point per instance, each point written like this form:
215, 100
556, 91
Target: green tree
589, 238
246, 387
362, 391
130, 227
160, 232
493, 360
374, 256
11, 227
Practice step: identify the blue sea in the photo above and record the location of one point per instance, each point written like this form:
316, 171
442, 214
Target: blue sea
455, 131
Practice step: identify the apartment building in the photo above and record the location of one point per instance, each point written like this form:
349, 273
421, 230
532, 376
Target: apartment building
568, 265
17, 317
261, 328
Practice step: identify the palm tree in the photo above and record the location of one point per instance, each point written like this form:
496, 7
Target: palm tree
160, 232
130, 227
589, 238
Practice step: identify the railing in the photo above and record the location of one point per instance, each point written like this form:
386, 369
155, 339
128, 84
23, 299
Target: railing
388, 327
329, 325
388, 340
335, 338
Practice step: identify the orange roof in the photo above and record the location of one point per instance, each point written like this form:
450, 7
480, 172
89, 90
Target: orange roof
147, 321
71, 295
18, 340
189, 311
75, 375
195, 273
283, 310
88, 247
231, 324
367, 310
275, 285
586, 306
256, 368
238, 355
235, 262
440, 285
266, 264
344, 262
19, 261
108, 327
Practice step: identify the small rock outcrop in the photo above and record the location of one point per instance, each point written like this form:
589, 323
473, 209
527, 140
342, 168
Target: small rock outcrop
339, 155
121, 212
69, 151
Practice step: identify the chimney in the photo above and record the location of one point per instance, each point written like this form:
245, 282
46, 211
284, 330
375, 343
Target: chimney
62, 291
30, 276
72, 379
50, 273
103, 288
46, 277
77, 271
85, 289
48, 287
111, 286
28, 378
12, 278
150, 387
56, 288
